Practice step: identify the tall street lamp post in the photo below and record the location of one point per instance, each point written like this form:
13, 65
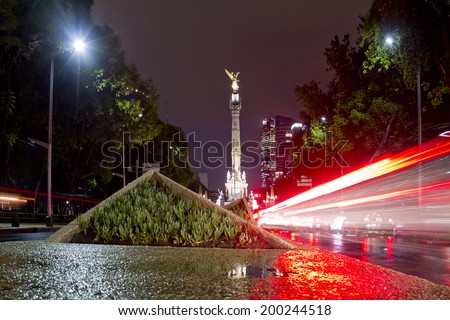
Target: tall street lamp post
49, 218
390, 41
78, 46
419, 137
419, 109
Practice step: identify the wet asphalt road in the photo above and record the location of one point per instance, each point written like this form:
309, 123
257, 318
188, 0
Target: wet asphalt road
25, 236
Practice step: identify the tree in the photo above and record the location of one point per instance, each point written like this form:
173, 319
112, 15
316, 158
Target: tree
420, 33
315, 102
368, 110
97, 97
171, 149
113, 99
28, 30
371, 100
11, 51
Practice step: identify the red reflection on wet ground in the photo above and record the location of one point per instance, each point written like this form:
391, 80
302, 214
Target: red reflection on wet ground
323, 275
390, 248
365, 242
293, 237
312, 240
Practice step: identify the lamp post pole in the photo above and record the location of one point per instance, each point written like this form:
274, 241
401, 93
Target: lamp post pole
419, 109
79, 47
419, 137
49, 219
389, 40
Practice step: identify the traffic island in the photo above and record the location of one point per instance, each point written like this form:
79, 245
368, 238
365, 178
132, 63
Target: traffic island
154, 210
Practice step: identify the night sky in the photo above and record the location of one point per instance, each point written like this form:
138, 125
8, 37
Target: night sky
184, 46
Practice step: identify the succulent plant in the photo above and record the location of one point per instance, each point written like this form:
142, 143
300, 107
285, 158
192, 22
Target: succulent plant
149, 214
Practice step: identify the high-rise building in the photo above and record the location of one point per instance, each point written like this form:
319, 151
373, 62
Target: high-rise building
283, 139
276, 149
268, 153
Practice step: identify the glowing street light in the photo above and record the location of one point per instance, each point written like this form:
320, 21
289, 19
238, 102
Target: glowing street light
79, 45
389, 40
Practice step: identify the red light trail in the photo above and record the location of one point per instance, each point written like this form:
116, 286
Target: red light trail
380, 197
19, 192
408, 158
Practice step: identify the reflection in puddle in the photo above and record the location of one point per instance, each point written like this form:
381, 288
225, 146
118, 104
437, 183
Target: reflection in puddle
293, 236
312, 240
238, 272
337, 243
390, 248
241, 271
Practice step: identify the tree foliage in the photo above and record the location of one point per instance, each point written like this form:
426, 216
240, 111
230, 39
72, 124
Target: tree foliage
361, 107
97, 95
371, 102
420, 33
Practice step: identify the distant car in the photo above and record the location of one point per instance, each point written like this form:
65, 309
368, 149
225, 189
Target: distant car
371, 224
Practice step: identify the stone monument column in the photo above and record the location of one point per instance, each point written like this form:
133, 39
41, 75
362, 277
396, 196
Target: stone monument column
236, 185
235, 136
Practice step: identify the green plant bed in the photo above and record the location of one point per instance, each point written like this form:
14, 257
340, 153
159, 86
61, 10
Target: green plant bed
155, 210
149, 214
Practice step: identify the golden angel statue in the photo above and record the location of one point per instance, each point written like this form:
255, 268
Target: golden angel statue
233, 76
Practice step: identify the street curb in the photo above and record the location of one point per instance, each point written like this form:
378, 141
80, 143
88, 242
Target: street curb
14, 230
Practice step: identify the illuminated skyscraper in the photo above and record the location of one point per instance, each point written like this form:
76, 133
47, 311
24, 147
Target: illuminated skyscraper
283, 138
268, 153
